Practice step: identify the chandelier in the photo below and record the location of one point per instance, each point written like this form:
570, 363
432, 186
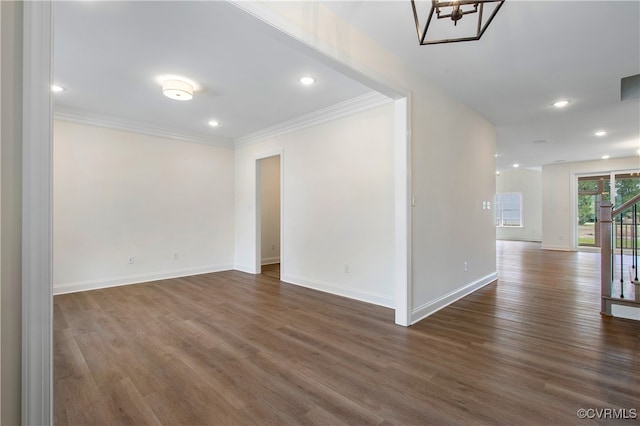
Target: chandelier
438, 28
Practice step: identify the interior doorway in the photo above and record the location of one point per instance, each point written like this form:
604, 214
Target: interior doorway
269, 217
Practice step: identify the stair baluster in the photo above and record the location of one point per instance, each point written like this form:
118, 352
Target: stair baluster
621, 256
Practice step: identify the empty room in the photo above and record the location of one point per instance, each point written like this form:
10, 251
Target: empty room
320, 212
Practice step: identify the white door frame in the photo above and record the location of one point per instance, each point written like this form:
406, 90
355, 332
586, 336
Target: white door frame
37, 289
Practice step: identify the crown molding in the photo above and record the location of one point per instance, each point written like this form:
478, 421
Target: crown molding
333, 112
118, 123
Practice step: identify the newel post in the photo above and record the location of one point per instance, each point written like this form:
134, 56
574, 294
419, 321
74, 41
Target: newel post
605, 254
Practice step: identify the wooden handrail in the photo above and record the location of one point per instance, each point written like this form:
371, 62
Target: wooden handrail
626, 205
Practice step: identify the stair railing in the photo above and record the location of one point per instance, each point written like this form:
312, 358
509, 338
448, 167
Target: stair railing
608, 236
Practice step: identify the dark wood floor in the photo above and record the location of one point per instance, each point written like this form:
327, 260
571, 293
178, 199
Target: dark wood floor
231, 348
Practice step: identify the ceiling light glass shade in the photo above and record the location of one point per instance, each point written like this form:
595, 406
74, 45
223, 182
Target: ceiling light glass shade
177, 89
561, 104
438, 29
55, 88
307, 80
601, 133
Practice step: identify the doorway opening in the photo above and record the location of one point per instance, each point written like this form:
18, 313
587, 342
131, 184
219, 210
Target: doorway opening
268, 216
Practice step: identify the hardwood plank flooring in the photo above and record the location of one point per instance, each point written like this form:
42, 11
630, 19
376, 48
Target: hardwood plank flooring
236, 349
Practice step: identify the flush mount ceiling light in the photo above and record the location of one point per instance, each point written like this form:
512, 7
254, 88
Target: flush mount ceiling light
516, 165
307, 81
561, 103
213, 123
177, 89
601, 133
605, 157
439, 30
56, 89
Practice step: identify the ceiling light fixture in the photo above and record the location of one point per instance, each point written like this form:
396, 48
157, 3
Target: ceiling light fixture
214, 123
56, 89
516, 165
605, 157
307, 81
600, 133
441, 32
177, 89
561, 103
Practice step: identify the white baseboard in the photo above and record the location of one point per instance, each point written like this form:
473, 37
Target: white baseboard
74, 287
433, 306
351, 293
245, 269
557, 248
525, 239
271, 260
628, 312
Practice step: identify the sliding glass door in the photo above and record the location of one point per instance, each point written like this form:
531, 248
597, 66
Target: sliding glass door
591, 191
594, 189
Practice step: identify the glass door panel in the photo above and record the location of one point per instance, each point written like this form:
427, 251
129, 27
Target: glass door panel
591, 191
587, 219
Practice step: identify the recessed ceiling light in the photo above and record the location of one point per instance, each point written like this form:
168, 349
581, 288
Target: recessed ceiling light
55, 88
214, 123
177, 89
561, 103
516, 165
605, 157
307, 81
600, 133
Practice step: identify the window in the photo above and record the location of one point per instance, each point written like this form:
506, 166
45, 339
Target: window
508, 207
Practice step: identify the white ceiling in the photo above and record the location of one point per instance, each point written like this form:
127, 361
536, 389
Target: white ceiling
535, 52
107, 55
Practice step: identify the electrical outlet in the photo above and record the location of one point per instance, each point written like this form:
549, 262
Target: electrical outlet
273, 246
176, 255
466, 266
346, 268
131, 259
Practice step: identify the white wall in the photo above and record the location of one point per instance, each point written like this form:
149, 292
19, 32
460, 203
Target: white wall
529, 184
119, 194
559, 197
337, 205
452, 157
270, 209
11, 14
453, 173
